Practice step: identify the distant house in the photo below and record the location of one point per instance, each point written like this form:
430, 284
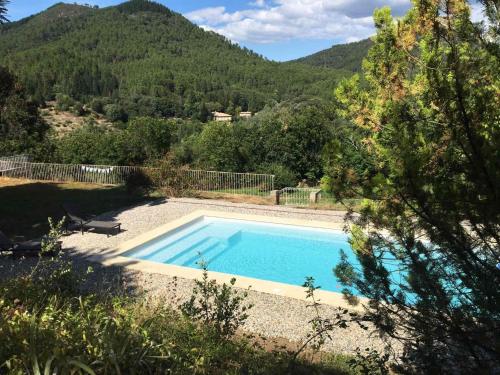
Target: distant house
245, 114
221, 116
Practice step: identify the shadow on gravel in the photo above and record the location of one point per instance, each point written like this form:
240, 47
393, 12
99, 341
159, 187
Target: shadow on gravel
25, 207
104, 280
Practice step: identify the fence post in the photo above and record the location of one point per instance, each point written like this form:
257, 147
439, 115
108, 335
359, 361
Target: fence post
314, 196
275, 195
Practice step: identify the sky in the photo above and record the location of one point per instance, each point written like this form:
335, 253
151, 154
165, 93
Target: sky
280, 30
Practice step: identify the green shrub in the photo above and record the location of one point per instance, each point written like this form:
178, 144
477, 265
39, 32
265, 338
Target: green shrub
115, 112
139, 182
284, 177
62, 332
97, 105
78, 109
50, 242
220, 307
49, 324
172, 180
64, 102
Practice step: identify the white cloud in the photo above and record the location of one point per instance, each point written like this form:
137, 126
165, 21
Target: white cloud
214, 16
280, 20
259, 3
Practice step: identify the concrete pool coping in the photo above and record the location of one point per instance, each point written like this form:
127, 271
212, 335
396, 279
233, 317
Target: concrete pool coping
116, 258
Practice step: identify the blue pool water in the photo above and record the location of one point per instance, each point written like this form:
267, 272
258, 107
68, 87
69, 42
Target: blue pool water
275, 252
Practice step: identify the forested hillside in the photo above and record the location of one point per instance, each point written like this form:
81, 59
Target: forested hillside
342, 56
143, 59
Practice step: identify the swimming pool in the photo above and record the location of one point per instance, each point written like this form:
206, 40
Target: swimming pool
272, 251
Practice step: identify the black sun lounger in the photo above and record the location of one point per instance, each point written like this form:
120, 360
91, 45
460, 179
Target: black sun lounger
84, 224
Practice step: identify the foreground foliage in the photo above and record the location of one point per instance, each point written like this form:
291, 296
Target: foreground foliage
48, 324
429, 119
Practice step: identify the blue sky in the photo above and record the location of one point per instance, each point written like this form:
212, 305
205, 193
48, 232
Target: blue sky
278, 29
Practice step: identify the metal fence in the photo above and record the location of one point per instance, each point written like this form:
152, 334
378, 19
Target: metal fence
298, 196
93, 174
11, 163
184, 179
227, 182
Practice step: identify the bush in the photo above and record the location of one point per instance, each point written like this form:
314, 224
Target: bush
284, 177
49, 324
172, 179
218, 307
97, 105
139, 182
115, 112
50, 242
64, 102
78, 109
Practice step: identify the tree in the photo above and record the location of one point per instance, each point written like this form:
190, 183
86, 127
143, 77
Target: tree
78, 56
427, 240
3, 11
148, 138
292, 134
21, 128
216, 148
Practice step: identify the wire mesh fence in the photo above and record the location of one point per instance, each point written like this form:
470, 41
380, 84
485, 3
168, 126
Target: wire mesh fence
182, 179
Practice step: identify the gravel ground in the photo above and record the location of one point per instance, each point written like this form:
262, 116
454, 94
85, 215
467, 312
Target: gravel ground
272, 316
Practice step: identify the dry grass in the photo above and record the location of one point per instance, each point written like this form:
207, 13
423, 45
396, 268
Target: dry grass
64, 122
235, 198
5, 181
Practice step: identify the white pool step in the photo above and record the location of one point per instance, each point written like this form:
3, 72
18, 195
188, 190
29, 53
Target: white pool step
180, 238
215, 253
198, 253
182, 246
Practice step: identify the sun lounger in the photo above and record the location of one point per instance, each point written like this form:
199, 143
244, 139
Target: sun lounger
84, 224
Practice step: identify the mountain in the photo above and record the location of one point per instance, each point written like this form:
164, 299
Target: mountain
342, 56
150, 61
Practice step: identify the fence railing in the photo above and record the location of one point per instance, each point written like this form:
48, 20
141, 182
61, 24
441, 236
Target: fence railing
299, 196
227, 182
93, 174
10, 163
197, 180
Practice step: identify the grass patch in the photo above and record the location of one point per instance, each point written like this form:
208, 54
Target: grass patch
26, 205
234, 198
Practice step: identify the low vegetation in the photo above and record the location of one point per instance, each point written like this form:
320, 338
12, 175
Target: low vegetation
64, 121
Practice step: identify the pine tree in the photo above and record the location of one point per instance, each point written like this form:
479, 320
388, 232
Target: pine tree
3, 11
428, 237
